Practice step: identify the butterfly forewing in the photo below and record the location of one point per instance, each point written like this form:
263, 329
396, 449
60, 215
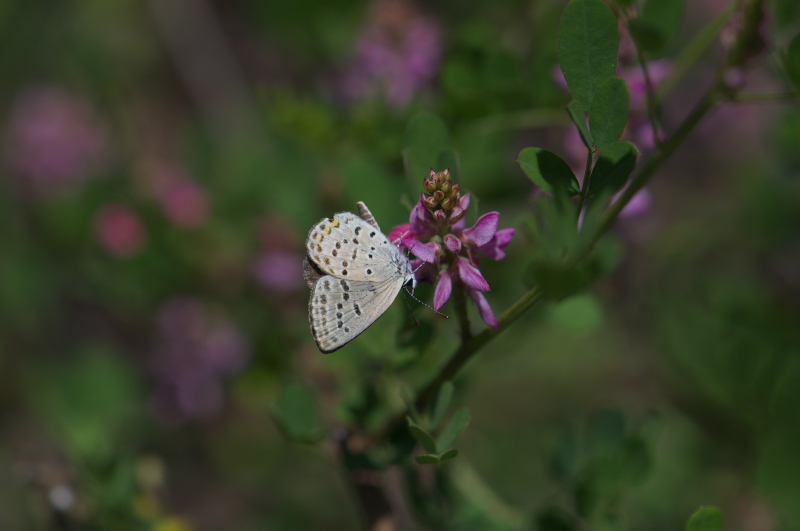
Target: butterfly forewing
346, 246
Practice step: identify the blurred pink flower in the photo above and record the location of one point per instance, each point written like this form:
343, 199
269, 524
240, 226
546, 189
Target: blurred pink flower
398, 52
53, 139
119, 230
278, 267
279, 270
194, 351
184, 203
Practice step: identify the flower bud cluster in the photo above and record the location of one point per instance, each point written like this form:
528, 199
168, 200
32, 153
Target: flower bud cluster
442, 198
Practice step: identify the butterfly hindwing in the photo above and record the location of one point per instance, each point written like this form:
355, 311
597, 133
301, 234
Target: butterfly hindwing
340, 310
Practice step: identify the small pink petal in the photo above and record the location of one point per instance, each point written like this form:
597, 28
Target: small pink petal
495, 249
421, 221
463, 205
399, 232
487, 314
425, 252
452, 243
484, 229
444, 287
471, 276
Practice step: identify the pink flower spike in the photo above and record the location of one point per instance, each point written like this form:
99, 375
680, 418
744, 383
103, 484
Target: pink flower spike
444, 287
425, 252
487, 314
470, 275
483, 230
452, 243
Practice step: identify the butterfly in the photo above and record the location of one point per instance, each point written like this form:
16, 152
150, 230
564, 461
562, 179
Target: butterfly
354, 273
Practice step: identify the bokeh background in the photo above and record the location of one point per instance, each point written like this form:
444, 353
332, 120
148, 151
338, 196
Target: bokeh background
161, 165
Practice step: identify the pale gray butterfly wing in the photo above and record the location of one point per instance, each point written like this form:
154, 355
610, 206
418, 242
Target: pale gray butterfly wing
355, 273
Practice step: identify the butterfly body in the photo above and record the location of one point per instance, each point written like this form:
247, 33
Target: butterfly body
354, 272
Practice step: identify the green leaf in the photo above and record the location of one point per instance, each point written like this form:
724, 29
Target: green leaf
606, 432
610, 108
422, 436
452, 453
296, 410
454, 428
548, 171
442, 403
578, 117
563, 461
705, 519
791, 60
556, 279
657, 23
587, 48
613, 168
427, 459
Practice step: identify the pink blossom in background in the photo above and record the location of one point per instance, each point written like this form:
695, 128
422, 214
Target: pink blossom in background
53, 139
278, 266
195, 351
279, 270
184, 203
398, 52
182, 200
119, 230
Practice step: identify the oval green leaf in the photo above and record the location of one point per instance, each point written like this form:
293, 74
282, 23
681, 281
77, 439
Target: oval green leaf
705, 519
610, 108
791, 60
449, 454
442, 403
454, 428
657, 22
587, 48
548, 171
578, 117
613, 168
427, 459
422, 437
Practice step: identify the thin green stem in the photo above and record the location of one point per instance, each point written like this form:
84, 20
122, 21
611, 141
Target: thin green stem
460, 302
653, 103
754, 97
587, 177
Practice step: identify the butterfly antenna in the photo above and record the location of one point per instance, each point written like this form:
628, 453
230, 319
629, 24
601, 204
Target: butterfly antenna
424, 304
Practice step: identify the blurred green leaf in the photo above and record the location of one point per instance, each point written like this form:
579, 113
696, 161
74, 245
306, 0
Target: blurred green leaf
557, 279
579, 314
442, 403
424, 140
613, 168
587, 48
791, 60
554, 518
564, 457
448, 159
606, 432
454, 428
547, 170
610, 108
427, 459
296, 410
705, 519
422, 436
452, 453
578, 117
638, 463
657, 22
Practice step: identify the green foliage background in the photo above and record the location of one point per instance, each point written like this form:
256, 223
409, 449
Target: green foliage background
669, 382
